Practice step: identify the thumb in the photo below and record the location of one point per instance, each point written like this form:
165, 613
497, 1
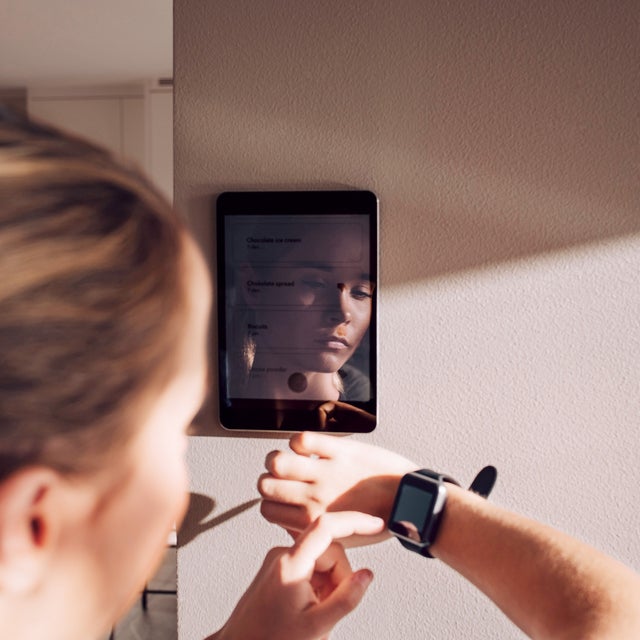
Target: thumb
342, 601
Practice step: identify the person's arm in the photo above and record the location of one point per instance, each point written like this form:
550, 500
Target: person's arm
549, 584
301, 592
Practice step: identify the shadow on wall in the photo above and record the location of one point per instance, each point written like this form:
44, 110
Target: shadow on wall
197, 519
426, 242
490, 133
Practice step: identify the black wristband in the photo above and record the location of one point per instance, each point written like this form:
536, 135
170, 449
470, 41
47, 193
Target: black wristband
484, 482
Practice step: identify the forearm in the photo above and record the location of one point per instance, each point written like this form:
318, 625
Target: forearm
547, 583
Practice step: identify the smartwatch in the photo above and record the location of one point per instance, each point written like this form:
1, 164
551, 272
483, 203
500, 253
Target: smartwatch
420, 502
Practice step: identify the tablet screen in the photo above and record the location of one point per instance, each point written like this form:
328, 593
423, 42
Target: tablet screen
297, 280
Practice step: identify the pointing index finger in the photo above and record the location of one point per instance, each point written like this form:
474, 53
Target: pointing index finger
317, 538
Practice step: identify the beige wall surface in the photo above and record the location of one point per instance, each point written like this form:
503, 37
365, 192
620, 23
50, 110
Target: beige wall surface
502, 141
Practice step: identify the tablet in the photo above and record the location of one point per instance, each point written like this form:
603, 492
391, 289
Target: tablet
297, 288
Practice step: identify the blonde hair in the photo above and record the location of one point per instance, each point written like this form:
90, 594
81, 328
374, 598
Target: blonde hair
91, 298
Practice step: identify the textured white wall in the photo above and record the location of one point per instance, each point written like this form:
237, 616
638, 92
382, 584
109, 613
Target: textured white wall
502, 141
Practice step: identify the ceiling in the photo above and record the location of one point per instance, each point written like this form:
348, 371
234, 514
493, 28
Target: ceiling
84, 41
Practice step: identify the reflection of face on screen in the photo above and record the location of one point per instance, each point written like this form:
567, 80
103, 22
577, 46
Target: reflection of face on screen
303, 306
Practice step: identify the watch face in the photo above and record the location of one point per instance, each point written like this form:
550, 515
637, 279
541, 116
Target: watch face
416, 501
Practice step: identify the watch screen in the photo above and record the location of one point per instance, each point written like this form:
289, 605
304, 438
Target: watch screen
412, 510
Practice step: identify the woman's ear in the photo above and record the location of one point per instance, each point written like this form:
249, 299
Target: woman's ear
29, 528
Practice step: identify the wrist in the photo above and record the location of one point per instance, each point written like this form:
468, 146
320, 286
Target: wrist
453, 527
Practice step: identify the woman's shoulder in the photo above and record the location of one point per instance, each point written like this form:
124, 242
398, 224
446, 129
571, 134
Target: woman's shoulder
356, 385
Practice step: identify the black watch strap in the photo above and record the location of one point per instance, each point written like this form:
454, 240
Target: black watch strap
485, 480
440, 477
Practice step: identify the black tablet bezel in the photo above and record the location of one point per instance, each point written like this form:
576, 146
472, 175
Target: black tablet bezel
240, 414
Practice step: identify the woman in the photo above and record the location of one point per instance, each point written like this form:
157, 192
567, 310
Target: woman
104, 305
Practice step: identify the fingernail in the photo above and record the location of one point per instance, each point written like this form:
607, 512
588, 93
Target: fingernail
363, 577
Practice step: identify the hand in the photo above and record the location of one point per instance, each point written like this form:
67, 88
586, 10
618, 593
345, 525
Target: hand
324, 473
302, 592
341, 416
